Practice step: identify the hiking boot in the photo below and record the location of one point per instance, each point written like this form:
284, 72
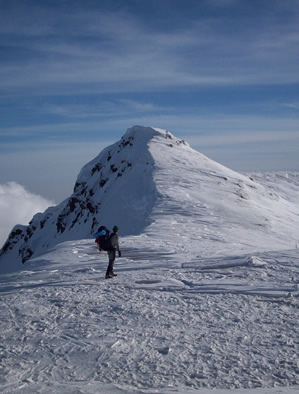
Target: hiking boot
108, 276
114, 274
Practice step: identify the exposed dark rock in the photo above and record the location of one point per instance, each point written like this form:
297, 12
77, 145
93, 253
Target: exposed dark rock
96, 168
113, 168
103, 182
25, 254
60, 224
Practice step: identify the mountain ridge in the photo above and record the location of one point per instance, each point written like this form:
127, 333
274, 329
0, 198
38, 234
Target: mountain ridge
79, 215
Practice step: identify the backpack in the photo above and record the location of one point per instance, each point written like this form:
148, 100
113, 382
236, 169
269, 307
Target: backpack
103, 239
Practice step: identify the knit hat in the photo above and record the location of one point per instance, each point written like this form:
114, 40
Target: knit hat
115, 229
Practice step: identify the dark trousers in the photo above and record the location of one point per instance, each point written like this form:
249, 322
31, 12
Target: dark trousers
111, 255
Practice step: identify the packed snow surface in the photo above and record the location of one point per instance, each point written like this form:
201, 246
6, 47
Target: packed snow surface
206, 297
165, 324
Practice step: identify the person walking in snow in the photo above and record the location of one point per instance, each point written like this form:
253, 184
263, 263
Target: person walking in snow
114, 247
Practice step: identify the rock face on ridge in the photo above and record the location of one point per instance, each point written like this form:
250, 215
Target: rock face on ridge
151, 182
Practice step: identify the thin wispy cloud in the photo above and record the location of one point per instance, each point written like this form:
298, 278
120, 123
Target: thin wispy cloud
113, 108
292, 105
116, 49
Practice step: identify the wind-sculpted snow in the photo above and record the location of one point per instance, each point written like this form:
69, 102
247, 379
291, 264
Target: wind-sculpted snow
163, 325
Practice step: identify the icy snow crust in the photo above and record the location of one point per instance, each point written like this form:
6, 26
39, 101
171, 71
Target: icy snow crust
206, 295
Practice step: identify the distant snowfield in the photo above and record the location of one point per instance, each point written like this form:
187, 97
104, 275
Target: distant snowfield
206, 298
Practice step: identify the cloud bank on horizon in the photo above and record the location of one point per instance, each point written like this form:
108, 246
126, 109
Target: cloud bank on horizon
17, 206
222, 74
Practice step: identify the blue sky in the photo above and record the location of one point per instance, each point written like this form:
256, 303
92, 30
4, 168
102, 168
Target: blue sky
74, 75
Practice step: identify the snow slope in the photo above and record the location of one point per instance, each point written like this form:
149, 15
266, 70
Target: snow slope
206, 295
202, 201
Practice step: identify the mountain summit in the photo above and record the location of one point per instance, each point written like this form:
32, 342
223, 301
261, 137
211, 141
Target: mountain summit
149, 182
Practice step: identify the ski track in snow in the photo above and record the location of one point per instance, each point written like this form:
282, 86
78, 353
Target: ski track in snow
163, 325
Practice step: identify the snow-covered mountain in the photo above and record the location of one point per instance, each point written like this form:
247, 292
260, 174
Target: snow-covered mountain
206, 296
151, 182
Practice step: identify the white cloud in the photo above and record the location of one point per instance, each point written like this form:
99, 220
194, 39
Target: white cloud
17, 206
